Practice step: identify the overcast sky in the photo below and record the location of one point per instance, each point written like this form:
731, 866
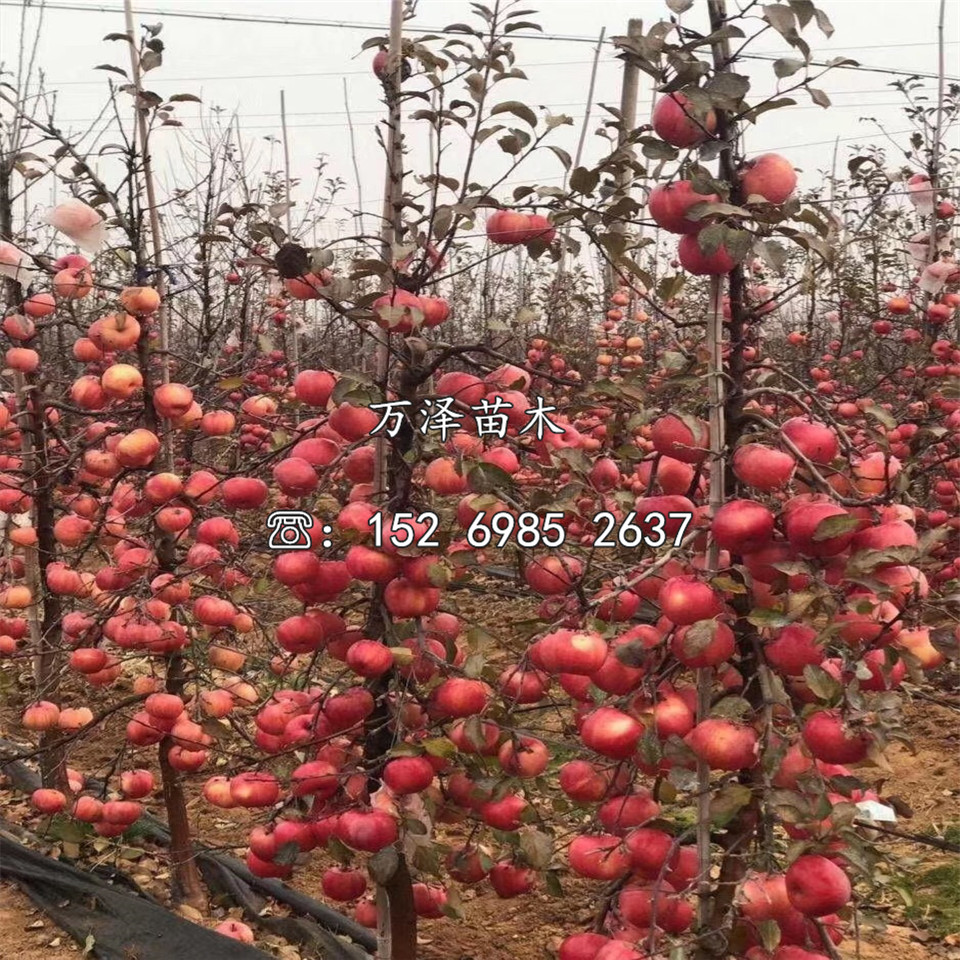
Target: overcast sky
244, 66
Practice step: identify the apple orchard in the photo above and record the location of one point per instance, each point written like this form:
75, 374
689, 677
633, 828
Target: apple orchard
468, 681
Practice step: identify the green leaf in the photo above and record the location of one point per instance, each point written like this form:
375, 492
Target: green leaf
510, 144
781, 18
561, 155
552, 882
184, 98
769, 931
700, 211
711, 238
383, 864
818, 97
478, 638
473, 665
486, 477
426, 859
786, 67
725, 804
537, 847
453, 905
474, 83
905, 895
673, 361
473, 731
150, 60
655, 149
772, 253
821, 683
728, 585
670, 287
583, 180
679, 6
881, 415
727, 89
288, 853
737, 243
831, 527
733, 708
518, 109
762, 617
823, 22
804, 9
558, 120
522, 25
439, 747
64, 828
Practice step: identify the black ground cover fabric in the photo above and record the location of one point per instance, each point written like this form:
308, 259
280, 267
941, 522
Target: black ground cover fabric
226, 877
123, 925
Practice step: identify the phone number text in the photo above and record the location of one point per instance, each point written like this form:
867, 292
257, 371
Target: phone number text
498, 529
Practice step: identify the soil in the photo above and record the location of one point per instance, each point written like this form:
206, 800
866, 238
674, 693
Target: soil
530, 928
27, 934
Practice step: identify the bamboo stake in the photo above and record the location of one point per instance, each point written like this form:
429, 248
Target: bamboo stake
715, 387
705, 674
933, 170
628, 121
353, 153
292, 336
562, 262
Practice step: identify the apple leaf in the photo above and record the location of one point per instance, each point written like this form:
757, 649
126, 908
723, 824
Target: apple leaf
804, 9
518, 109
769, 931
383, 864
537, 847
584, 181
787, 67
473, 665
733, 708
781, 18
831, 527
725, 804
552, 882
473, 731
486, 477
763, 617
288, 853
823, 22
823, 686
439, 747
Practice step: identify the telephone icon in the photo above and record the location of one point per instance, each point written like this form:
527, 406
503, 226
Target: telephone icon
290, 530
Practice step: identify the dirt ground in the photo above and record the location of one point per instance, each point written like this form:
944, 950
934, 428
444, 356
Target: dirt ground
26, 934
529, 928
